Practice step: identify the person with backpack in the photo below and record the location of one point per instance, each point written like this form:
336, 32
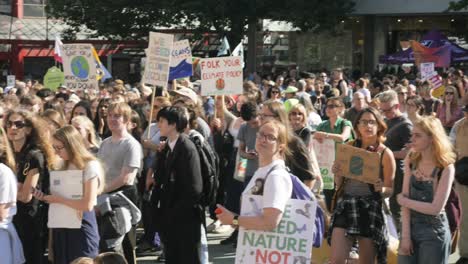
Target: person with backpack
358, 211
427, 183
179, 179
271, 180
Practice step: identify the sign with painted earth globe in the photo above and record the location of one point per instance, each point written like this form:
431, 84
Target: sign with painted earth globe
80, 67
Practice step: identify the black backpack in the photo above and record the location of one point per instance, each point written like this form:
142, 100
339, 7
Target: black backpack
209, 165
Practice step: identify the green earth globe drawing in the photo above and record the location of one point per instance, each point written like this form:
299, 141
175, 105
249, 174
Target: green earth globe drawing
80, 67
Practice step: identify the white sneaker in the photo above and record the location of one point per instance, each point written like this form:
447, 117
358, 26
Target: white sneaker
223, 229
213, 226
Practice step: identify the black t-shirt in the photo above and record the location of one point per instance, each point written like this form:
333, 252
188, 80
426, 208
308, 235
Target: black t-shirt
398, 135
29, 158
430, 105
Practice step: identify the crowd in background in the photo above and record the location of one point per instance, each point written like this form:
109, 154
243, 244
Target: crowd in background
140, 165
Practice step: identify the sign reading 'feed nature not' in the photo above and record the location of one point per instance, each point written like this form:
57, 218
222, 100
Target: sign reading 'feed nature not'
290, 242
221, 76
79, 66
158, 59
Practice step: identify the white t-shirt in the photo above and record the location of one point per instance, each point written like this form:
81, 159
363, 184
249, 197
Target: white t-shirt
8, 191
278, 186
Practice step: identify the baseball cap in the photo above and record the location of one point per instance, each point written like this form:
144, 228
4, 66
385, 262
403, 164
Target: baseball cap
187, 92
290, 89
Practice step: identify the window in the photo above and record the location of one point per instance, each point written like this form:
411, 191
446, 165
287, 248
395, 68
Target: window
5, 7
34, 8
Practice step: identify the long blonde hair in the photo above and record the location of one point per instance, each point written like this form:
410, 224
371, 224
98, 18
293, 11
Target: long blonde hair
77, 152
6, 152
89, 126
442, 149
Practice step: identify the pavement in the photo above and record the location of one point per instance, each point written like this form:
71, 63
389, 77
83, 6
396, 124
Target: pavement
218, 254
225, 254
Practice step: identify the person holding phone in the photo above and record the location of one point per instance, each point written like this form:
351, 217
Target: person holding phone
67, 243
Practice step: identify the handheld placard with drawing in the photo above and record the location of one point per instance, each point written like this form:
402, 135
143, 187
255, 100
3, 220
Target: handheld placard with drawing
358, 164
67, 184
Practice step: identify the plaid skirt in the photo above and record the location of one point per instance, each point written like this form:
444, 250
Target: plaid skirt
363, 217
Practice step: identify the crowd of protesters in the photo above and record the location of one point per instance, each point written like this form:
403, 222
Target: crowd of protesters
141, 165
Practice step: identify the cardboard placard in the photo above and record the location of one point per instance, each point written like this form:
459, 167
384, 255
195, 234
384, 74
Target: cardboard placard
427, 70
325, 153
290, 242
358, 164
79, 66
158, 59
181, 60
11, 80
221, 76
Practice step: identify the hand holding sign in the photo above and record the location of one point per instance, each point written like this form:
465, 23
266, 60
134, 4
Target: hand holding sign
359, 164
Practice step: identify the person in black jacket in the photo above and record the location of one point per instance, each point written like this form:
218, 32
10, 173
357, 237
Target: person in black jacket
179, 182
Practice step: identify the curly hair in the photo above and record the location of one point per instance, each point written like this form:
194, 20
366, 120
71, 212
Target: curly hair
38, 135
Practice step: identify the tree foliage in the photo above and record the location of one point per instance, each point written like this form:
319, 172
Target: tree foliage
133, 19
458, 5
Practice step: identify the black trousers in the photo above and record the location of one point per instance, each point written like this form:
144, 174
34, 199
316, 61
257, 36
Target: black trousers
33, 234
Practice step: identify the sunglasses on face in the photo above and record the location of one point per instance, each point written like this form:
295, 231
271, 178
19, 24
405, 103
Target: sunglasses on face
17, 124
449, 93
275, 92
402, 93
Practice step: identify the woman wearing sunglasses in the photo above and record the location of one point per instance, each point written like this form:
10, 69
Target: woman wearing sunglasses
274, 93
335, 128
449, 111
34, 156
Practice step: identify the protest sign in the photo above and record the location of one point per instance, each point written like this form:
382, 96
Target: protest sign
11, 80
221, 76
358, 164
79, 66
181, 60
53, 78
290, 242
325, 157
427, 70
438, 86
158, 59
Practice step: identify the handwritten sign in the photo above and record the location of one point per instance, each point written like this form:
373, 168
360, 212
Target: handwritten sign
158, 59
358, 164
325, 158
11, 80
290, 242
181, 60
438, 86
79, 66
221, 76
427, 70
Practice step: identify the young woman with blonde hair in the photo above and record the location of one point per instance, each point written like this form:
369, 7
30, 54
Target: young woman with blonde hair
428, 179
68, 243
86, 129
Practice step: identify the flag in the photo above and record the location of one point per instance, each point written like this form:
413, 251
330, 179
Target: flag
225, 49
58, 49
440, 56
239, 51
102, 72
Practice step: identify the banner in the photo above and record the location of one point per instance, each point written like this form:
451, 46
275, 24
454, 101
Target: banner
53, 78
158, 59
181, 60
440, 56
221, 76
325, 158
290, 242
358, 164
79, 66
